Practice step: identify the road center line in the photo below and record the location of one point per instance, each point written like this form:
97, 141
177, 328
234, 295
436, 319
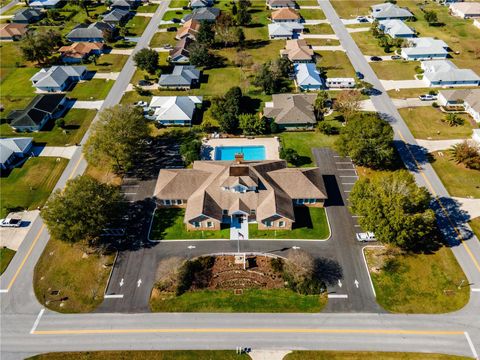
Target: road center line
472, 347
37, 321
249, 330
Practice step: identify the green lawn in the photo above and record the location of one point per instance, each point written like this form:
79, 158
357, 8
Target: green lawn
352, 8
77, 122
95, 89
80, 274
419, 283
303, 142
367, 355
30, 185
312, 14
168, 225
109, 63
6, 255
150, 8
408, 93
459, 181
395, 70
336, 63
311, 223
17, 82
323, 42
367, 43
475, 225
162, 38
426, 123
145, 355
319, 29
307, 3
137, 25
178, 3
252, 300
176, 14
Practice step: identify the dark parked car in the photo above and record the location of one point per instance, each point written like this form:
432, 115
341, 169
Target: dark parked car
376, 58
176, 21
172, 29
359, 75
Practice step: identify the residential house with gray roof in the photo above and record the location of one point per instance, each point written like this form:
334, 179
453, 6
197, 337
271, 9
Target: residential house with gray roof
396, 29
278, 4
116, 16
286, 30
183, 77
196, 4
425, 48
175, 110
58, 78
94, 32
216, 193
388, 11
291, 111
461, 99
46, 4
12, 150
27, 16
208, 14
446, 73
125, 4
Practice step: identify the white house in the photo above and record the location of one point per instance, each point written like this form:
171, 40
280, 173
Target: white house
466, 99
388, 10
425, 48
446, 73
340, 83
12, 150
465, 10
307, 77
289, 30
174, 110
396, 28
58, 78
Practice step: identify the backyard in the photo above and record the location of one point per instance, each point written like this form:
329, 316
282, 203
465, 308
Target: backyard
311, 223
168, 225
427, 122
30, 185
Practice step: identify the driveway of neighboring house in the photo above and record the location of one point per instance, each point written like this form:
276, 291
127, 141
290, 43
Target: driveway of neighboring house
13, 237
328, 48
402, 84
106, 75
438, 145
471, 206
65, 152
95, 105
318, 36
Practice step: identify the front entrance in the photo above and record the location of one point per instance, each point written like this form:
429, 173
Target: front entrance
239, 227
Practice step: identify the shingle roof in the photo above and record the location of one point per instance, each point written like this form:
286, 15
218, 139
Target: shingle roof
446, 71
285, 14
389, 10
9, 146
200, 3
80, 49
12, 30
35, 112
307, 74
43, 3
26, 14
190, 28
174, 107
284, 29
116, 15
289, 3
292, 109
181, 48
298, 50
181, 75
203, 14
395, 27
56, 75
94, 30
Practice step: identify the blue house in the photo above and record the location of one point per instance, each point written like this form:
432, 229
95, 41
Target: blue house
307, 77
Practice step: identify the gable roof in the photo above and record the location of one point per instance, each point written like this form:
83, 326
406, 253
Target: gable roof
389, 10
190, 28
36, 110
292, 109
12, 30
200, 3
26, 14
10, 146
286, 13
203, 14
44, 3
174, 107
181, 48
181, 75
80, 49
116, 15
56, 75
307, 74
94, 30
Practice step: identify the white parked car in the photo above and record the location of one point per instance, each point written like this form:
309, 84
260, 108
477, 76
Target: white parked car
427, 97
141, 103
365, 237
10, 222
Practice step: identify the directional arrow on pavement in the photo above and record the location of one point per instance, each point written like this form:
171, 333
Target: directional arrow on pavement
295, 247
121, 282
139, 282
339, 283
191, 247
356, 283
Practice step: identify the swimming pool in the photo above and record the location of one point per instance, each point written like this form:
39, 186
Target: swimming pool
249, 152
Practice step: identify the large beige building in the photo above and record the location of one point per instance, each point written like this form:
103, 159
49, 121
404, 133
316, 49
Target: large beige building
214, 192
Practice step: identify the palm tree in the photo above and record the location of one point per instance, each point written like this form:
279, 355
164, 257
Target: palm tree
453, 120
321, 104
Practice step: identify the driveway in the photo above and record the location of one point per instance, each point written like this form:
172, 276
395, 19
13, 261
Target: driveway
360, 29
328, 48
95, 105
403, 84
106, 75
438, 145
367, 105
12, 237
65, 152
318, 36
471, 206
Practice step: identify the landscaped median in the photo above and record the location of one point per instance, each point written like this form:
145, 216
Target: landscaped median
6, 255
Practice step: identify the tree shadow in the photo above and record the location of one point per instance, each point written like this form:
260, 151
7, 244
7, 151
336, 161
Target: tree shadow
250, 105
413, 156
334, 195
452, 221
328, 271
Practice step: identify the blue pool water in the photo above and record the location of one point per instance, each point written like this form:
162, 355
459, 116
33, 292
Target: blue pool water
249, 152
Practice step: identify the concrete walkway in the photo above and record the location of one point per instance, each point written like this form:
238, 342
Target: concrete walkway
121, 51
367, 105
161, 49
65, 152
318, 36
471, 206
106, 75
95, 105
360, 29
12, 237
268, 354
403, 84
239, 230
316, 22
310, 7
438, 145
328, 48
145, 14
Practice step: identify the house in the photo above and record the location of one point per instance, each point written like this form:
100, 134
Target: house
476, 23
58, 78
189, 29
182, 77
291, 111
388, 11
396, 29
27, 16
340, 83
13, 149
278, 4
116, 16
307, 77
77, 52
179, 54
12, 32
298, 51
425, 48
465, 10
94, 32
208, 14
46, 4
41, 109
285, 15
224, 192
124, 4
463, 99
196, 4
446, 73
174, 110
447, 2
289, 30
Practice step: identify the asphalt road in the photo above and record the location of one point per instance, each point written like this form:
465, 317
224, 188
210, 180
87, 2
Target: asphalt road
9, 6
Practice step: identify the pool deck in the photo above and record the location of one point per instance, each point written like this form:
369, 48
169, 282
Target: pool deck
271, 144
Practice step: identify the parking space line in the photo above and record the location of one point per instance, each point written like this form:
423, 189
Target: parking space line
113, 296
348, 183
470, 344
337, 296
347, 191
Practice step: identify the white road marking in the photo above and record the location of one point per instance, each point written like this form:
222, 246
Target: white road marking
475, 290
355, 176
121, 283
339, 283
37, 321
139, 282
127, 185
113, 296
345, 169
337, 296
472, 347
356, 283
295, 247
191, 247
347, 191
2, 291
356, 225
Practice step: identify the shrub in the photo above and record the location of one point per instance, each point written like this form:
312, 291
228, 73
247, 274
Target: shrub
276, 264
327, 128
